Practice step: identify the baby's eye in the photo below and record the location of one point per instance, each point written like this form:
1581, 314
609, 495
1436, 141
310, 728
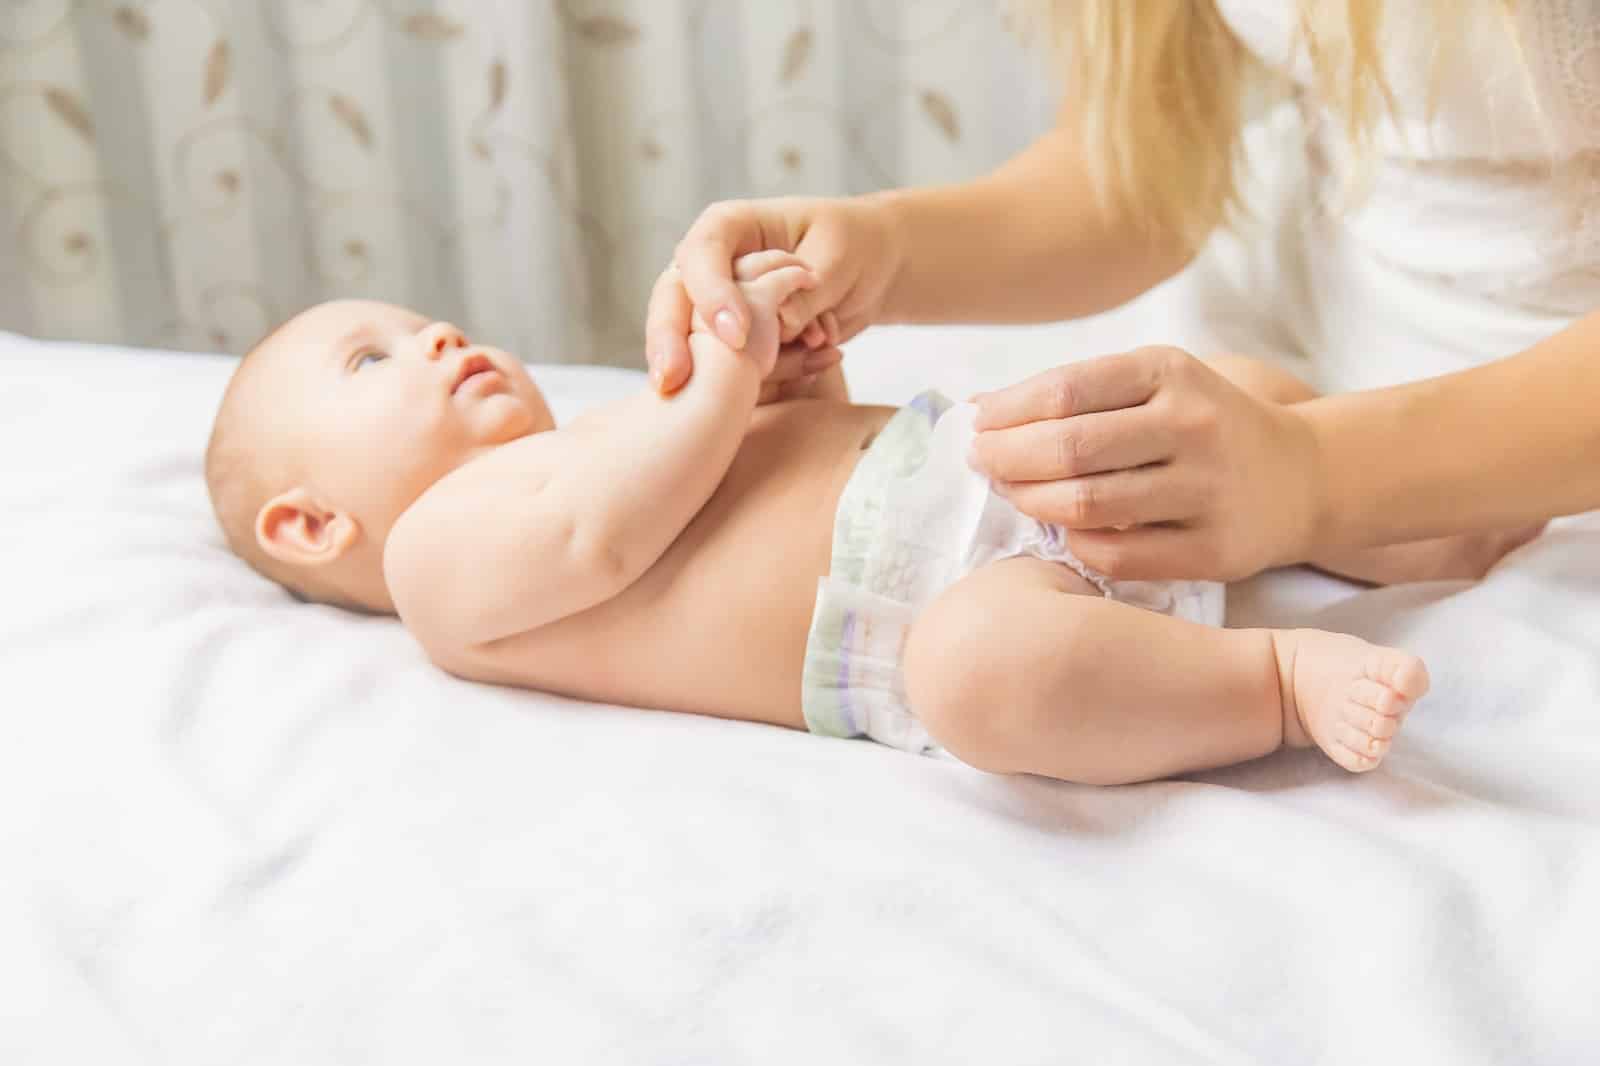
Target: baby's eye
369, 357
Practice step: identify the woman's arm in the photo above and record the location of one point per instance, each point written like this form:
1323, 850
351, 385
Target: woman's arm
1027, 243
1501, 445
1163, 468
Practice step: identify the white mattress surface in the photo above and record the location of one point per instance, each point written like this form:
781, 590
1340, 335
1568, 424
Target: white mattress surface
236, 829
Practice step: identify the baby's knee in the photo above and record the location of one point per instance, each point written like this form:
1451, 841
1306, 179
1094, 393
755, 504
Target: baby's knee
994, 670
960, 684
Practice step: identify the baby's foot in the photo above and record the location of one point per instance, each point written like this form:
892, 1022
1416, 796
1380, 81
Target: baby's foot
1344, 695
1467, 557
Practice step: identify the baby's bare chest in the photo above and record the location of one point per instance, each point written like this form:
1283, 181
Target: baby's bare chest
719, 623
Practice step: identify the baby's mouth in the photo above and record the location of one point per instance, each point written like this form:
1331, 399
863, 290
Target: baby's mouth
471, 367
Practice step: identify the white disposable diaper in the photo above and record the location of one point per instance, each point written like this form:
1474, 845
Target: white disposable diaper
913, 520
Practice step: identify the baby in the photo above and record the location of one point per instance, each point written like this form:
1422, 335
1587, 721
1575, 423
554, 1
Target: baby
807, 563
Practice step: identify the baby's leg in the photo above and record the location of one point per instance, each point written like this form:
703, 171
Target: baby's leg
1022, 667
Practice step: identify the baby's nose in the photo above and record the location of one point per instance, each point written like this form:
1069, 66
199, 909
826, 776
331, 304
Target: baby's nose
440, 337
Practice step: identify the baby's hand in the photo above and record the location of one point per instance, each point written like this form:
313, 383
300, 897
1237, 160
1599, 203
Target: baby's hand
768, 279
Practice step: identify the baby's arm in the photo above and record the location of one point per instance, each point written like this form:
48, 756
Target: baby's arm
553, 524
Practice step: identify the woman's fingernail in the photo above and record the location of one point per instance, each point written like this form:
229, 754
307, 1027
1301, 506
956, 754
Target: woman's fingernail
728, 328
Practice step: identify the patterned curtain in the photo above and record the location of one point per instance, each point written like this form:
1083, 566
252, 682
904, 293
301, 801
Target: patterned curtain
186, 173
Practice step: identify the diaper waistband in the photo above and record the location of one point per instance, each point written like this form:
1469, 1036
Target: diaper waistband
853, 648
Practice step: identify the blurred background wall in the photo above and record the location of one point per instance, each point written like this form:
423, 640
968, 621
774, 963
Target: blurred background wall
186, 173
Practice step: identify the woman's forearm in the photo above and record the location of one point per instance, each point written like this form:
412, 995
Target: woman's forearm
1497, 446
1027, 243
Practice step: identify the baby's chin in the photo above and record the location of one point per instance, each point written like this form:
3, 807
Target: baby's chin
505, 417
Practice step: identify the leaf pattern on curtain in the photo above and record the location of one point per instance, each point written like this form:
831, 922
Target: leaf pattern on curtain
186, 173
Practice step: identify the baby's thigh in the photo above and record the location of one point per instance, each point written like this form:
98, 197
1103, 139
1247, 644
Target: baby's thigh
993, 607
979, 643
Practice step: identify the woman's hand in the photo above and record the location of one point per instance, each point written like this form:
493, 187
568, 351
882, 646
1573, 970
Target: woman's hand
1159, 466
849, 243
789, 371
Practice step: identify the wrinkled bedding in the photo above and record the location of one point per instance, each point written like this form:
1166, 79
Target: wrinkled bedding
236, 829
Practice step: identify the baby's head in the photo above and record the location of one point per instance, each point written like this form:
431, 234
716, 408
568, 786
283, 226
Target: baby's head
336, 422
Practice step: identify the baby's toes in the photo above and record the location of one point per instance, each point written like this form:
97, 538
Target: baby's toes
1354, 750
1364, 733
1380, 722
1370, 715
1368, 698
1402, 673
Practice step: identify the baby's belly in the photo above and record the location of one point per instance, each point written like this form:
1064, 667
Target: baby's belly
718, 625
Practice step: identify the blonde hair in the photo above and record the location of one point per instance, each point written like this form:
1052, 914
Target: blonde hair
1159, 89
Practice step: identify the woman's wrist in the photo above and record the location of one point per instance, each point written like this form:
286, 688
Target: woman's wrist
1358, 501
1319, 509
889, 211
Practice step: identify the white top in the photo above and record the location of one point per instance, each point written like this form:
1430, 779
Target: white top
1500, 195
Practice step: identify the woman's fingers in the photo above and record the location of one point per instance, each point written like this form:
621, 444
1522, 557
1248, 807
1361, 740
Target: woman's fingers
1104, 501
1159, 465
666, 350
1104, 384
1072, 447
705, 256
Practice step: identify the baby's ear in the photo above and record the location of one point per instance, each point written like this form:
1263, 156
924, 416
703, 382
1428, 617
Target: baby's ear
294, 528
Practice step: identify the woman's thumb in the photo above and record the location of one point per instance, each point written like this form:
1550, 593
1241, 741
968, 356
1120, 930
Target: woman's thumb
705, 262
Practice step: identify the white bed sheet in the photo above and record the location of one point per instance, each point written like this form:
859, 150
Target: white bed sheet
235, 829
